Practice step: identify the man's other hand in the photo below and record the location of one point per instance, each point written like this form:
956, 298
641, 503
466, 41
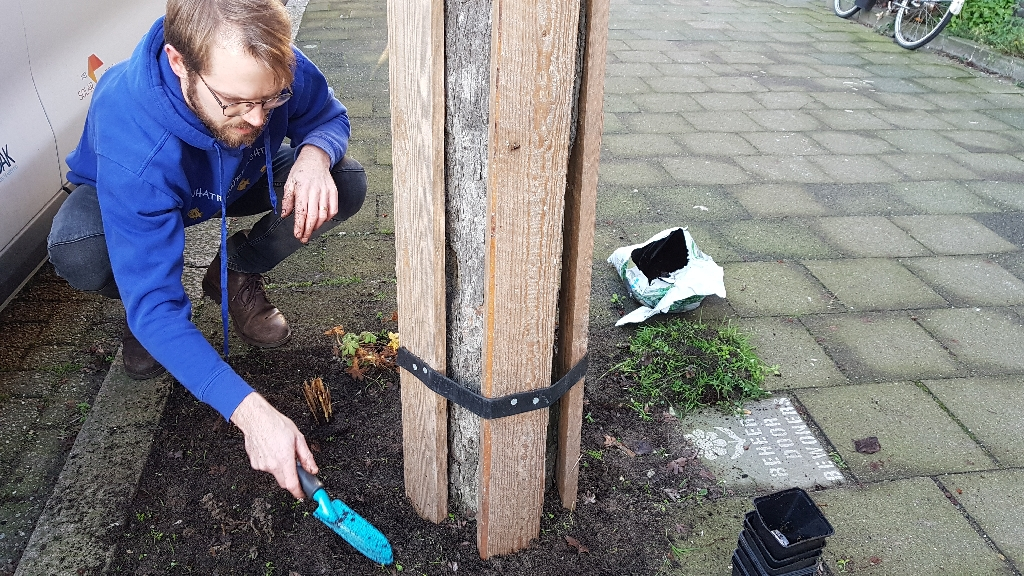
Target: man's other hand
310, 191
273, 443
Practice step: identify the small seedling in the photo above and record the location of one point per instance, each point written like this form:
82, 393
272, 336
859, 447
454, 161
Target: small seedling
843, 563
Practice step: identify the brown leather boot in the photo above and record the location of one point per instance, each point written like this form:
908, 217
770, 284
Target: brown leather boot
258, 322
138, 363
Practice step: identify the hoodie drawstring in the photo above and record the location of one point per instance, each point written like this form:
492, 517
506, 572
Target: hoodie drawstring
223, 249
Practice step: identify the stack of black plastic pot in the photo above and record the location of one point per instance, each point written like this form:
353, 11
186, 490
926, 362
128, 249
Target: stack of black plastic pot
783, 536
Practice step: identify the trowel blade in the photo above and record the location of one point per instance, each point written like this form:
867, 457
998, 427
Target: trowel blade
362, 535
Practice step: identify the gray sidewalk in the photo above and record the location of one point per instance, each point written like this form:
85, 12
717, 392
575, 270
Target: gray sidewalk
866, 205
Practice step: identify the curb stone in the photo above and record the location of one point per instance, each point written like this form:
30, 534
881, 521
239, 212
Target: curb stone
972, 53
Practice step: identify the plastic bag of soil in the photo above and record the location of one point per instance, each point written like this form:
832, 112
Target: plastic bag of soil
668, 273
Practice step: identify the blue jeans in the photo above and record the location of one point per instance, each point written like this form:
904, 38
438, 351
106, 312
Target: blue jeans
78, 247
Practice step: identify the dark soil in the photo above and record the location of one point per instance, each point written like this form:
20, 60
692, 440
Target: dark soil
201, 509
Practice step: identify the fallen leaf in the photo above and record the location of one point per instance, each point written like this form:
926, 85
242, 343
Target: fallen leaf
589, 498
678, 465
610, 441
672, 493
580, 548
174, 454
867, 445
874, 561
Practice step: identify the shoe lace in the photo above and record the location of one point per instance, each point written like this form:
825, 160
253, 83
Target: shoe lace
251, 290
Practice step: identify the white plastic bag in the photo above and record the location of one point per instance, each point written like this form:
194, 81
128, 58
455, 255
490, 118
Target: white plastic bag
683, 274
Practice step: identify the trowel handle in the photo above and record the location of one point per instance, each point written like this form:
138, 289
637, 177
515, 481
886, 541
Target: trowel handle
310, 483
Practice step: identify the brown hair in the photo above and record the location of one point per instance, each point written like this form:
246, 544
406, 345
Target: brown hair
262, 27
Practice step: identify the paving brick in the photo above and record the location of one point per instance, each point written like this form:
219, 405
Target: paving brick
633, 173
984, 497
988, 407
868, 236
661, 103
626, 85
657, 123
874, 284
851, 120
942, 197
726, 101
860, 199
987, 340
969, 280
621, 203
716, 144
638, 55
1005, 193
904, 527
929, 167
905, 101
847, 143
721, 122
640, 145
855, 169
845, 101
783, 169
704, 171
991, 166
612, 124
787, 143
879, 346
953, 234
917, 437
774, 289
776, 200
980, 141
616, 103
694, 203
919, 141
627, 69
784, 342
784, 100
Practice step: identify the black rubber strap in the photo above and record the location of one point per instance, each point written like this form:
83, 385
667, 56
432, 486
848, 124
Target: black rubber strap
482, 406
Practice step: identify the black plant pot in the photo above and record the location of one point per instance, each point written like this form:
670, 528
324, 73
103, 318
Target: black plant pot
789, 524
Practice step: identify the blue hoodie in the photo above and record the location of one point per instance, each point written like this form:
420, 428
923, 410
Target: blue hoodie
157, 169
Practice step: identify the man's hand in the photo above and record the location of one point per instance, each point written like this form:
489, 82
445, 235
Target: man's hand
273, 442
310, 191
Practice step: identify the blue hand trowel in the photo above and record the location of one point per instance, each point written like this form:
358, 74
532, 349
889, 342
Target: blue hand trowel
345, 522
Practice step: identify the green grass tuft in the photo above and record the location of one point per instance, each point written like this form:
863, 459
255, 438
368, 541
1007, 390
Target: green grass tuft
691, 365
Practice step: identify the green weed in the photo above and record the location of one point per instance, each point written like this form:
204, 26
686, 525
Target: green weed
690, 365
991, 22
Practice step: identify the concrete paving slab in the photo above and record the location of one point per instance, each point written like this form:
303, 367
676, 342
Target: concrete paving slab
651, 123
991, 166
717, 100
774, 289
719, 122
919, 141
621, 203
916, 436
984, 496
633, 173
784, 342
969, 280
929, 167
717, 144
771, 448
776, 200
783, 169
710, 535
707, 170
1008, 225
982, 142
1005, 193
868, 237
784, 100
640, 145
953, 234
846, 143
785, 120
942, 197
989, 407
855, 169
986, 340
860, 199
658, 103
874, 284
901, 528
783, 143
970, 120
685, 204
881, 346
778, 239
851, 120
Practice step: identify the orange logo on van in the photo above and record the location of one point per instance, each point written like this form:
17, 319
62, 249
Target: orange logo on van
94, 65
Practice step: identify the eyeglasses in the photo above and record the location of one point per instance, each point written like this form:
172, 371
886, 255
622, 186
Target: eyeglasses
243, 108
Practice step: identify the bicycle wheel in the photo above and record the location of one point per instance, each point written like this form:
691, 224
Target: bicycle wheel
844, 8
919, 21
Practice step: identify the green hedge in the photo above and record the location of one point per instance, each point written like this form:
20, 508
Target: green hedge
991, 22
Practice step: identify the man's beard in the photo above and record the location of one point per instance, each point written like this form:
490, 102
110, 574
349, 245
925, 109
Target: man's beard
222, 132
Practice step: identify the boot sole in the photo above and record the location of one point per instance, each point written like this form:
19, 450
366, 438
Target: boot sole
160, 370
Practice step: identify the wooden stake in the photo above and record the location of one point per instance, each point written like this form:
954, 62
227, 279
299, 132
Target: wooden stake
532, 76
416, 52
580, 213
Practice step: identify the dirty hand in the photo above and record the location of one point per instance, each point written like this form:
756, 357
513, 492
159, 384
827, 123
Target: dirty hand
310, 191
273, 443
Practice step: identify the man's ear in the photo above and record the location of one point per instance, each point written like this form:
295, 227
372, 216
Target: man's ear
177, 61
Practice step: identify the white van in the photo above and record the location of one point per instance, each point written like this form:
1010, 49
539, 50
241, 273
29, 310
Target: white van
54, 52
